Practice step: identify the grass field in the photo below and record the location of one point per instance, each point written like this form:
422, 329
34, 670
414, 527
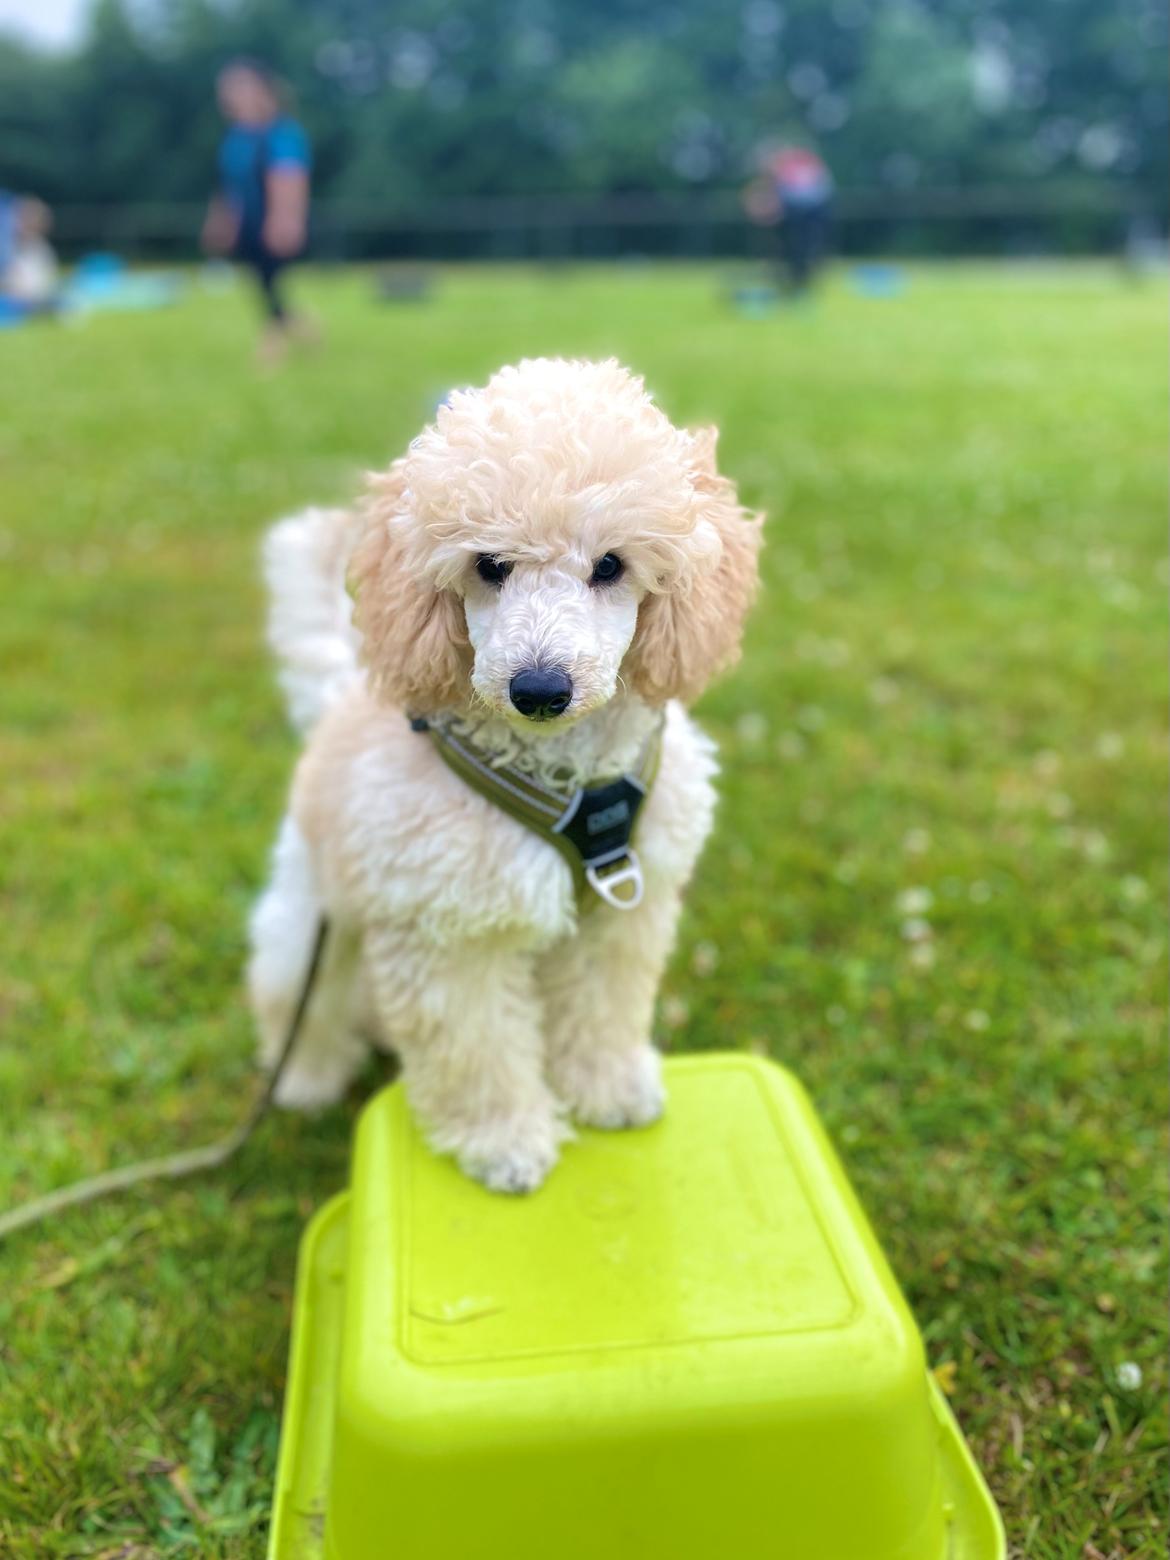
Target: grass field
936, 889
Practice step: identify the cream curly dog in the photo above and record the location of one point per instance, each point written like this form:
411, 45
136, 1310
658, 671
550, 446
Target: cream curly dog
552, 570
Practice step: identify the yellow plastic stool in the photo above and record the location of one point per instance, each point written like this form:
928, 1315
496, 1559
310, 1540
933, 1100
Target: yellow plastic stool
686, 1345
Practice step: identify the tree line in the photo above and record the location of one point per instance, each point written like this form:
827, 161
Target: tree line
450, 98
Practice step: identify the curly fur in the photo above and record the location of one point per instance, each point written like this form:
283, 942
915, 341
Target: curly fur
457, 934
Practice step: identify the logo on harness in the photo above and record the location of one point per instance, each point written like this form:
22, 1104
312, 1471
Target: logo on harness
601, 819
608, 817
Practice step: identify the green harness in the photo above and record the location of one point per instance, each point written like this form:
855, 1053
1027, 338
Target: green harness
591, 826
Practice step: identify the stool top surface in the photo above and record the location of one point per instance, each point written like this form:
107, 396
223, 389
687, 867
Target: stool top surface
723, 1221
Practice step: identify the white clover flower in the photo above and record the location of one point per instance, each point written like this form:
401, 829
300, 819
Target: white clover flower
751, 727
916, 930
916, 842
1129, 1376
705, 958
1110, 745
807, 587
675, 1012
1123, 595
915, 901
1134, 890
1095, 846
977, 1021
923, 956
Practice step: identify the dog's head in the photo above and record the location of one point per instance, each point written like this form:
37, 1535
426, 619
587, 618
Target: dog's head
549, 535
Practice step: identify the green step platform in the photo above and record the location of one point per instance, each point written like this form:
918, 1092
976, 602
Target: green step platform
686, 1344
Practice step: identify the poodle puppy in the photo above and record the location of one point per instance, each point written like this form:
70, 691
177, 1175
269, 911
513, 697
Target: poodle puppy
552, 571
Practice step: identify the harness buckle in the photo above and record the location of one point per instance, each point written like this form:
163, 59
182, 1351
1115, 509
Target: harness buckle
627, 869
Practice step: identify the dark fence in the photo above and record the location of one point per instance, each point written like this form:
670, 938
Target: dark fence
1051, 219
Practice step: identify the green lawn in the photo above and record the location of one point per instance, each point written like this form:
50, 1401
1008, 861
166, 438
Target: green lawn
936, 889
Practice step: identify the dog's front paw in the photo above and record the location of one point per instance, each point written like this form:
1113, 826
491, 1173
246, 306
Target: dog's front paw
311, 1089
316, 1076
613, 1089
511, 1156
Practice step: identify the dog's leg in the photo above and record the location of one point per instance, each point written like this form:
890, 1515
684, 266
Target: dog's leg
284, 926
465, 1022
599, 989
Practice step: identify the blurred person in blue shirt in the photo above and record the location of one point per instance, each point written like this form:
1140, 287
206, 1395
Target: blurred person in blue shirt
259, 213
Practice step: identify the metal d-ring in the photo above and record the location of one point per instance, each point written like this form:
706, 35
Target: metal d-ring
629, 871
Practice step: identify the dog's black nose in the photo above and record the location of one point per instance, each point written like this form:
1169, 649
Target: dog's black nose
541, 693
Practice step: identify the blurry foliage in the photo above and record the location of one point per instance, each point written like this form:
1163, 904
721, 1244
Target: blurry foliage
470, 97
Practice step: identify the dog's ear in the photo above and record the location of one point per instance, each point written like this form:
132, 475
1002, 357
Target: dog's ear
414, 637
689, 632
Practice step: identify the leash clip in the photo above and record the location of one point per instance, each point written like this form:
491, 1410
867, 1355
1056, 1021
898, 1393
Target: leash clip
626, 870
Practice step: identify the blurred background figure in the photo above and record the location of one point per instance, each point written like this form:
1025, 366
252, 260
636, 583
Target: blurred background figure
794, 194
260, 212
804, 193
29, 274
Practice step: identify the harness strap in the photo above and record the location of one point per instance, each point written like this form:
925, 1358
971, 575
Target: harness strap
592, 827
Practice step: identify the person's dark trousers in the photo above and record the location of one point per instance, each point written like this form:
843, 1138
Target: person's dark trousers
804, 240
268, 269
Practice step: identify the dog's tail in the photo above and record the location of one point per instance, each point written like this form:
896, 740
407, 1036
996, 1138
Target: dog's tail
310, 626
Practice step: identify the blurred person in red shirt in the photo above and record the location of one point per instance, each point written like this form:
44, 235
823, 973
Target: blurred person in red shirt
794, 193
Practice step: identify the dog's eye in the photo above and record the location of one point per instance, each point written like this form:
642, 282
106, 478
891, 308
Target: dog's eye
493, 571
606, 569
